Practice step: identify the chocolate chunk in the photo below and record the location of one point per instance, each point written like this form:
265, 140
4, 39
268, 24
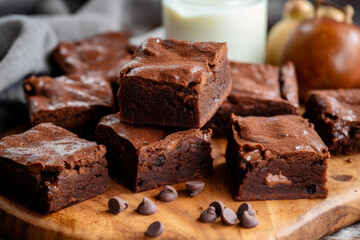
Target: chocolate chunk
248, 221
209, 215
195, 187
252, 155
117, 205
349, 160
311, 189
147, 207
168, 194
245, 207
219, 207
272, 180
160, 161
155, 229
228, 217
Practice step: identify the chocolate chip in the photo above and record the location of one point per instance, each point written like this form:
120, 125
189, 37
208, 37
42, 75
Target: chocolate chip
349, 160
248, 221
168, 194
191, 84
245, 207
117, 205
147, 207
228, 217
311, 189
208, 216
159, 161
195, 187
140, 182
155, 229
219, 207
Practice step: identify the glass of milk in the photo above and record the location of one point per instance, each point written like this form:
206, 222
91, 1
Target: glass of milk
240, 23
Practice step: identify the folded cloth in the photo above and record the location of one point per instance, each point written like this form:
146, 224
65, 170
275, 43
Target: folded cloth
24, 47
25, 42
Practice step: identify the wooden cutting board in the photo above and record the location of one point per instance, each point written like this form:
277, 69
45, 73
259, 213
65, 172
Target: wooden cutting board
285, 219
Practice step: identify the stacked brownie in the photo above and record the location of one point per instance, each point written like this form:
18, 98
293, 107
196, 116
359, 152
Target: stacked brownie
78, 100
100, 55
74, 102
174, 83
257, 90
170, 86
272, 153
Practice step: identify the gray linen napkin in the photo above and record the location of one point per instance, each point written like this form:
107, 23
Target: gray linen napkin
26, 41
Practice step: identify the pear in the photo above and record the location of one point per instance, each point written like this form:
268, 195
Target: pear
325, 52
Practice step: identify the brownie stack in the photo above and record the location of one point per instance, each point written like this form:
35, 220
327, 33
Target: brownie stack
272, 153
166, 94
257, 90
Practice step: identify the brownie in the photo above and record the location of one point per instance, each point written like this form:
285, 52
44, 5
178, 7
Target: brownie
336, 116
143, 158
174, 83
48, 168
75, 102
280, 157
257, 90
100, 55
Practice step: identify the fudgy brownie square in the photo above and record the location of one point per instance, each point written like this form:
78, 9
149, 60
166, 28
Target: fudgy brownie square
48, 168
143, 158
174, 83
280, 157
257, 90
74, 102
336, 116
99, 55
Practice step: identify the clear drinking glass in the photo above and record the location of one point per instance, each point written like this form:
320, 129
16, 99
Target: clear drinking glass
240, 23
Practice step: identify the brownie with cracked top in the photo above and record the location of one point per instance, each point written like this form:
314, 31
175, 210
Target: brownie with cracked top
336, 116
74, 102
280, 157
143, 158
257, 90
100, 55
48, 168
174, 83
